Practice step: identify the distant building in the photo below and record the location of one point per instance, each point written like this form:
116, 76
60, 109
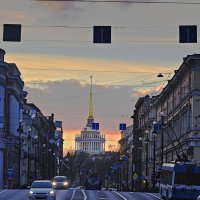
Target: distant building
90, 140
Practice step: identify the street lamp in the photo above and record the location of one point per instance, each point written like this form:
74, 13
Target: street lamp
147, 158
162, 135
127, 168
28, 159
132, 170
20, 131
154, 153
35, 143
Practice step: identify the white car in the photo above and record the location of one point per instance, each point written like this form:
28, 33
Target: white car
42, 190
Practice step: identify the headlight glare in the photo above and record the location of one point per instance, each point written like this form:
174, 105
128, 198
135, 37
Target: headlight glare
30, 192
52, 192
65, 183
54, 183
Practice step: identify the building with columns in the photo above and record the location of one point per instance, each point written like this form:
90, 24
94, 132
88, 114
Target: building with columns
90, 140
11, 100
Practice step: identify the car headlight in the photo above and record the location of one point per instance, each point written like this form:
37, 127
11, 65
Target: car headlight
52, 192
65, 183
54, 183
30, 192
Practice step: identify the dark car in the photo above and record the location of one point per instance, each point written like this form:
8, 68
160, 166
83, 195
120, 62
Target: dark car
60, 182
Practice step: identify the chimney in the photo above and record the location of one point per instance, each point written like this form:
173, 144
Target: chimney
2, 53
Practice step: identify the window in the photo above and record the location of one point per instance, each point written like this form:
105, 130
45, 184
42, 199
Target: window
41, 185
166, 177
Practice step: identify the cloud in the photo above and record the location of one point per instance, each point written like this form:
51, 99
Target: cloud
69, 102
60, 5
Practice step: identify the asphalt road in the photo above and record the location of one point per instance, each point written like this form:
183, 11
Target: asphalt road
74, 194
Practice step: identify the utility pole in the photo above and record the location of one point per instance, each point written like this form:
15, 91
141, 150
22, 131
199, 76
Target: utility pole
162, 137
132, 154
20, 131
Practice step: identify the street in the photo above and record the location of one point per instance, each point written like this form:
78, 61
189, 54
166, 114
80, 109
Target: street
74, 194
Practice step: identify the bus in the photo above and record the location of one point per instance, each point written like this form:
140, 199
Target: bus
180, 180
93, 182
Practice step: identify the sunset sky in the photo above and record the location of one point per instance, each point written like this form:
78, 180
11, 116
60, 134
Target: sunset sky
56, 56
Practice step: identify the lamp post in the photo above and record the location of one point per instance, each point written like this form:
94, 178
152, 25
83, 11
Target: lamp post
147, 156
139, 164
28, 154
132, 170
20, 131
140, 155
127, 168
44, 174
132, 151
154, 154
35, 164
162, 136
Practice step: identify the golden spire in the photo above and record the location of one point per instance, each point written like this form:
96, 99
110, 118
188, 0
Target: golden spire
91, 102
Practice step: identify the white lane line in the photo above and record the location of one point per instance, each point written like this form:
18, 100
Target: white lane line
154, 196
2, 191
73, 194
120, 195
85, 197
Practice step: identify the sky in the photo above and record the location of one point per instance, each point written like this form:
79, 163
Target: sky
56, 56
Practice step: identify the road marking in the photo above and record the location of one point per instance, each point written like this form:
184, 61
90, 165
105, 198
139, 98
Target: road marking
85, 197
73, 194
2, 191
120, 195
154, 196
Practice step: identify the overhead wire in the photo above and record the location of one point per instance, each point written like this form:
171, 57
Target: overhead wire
128, 2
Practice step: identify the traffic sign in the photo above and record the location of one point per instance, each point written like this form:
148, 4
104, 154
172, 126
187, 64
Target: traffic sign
10, 173
51, 141
122, 127
157, 127
95, 126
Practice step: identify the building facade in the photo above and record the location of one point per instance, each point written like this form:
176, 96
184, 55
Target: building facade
167, 126
90, 140
29, 148
11, 100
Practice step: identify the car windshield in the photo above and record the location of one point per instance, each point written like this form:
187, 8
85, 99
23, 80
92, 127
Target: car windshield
41, 185
60, 179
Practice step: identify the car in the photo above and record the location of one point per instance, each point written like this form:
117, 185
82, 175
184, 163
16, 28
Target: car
60, 182
42, 189
112, 189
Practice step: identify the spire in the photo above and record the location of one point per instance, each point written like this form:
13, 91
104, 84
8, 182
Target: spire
91, 101
90, 119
